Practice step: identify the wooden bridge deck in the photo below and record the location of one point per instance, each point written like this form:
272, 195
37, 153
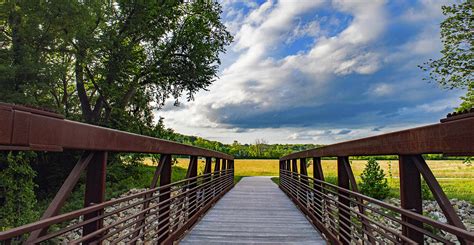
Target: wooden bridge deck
255, 211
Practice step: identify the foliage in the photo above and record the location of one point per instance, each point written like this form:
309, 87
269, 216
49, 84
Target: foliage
425, 190
455, 68
467, 100
109, 63
17, 196
373, 182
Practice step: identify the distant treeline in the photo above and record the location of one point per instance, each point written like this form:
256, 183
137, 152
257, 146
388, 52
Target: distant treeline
260, 149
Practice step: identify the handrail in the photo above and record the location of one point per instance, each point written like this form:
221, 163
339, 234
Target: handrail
23, 128
160, 214
452, 137
333, 208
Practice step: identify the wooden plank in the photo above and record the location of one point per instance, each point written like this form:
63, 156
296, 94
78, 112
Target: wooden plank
254, 211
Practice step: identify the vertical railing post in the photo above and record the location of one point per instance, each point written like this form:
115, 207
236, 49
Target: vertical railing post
95, 191
294, 175
304, 181
165, 194
410, 195
207, 173
192, 173
217, 169
343, 199
231, 167
223, 173
318, 196
280, 169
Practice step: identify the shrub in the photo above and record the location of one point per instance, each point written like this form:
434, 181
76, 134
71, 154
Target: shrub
373, 182
17, 196
425, 190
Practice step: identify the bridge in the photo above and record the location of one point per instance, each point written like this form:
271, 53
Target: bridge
209, 209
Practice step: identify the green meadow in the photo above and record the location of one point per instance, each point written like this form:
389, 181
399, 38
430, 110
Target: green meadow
456, 178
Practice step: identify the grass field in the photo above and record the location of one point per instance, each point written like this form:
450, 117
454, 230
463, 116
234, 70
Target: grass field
456, 178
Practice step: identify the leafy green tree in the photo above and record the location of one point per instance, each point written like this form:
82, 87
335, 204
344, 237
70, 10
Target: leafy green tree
455, 68
17, 196
109, 63
468, 99
374, 183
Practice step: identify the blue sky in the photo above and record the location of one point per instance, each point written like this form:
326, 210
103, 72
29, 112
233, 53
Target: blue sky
313, 71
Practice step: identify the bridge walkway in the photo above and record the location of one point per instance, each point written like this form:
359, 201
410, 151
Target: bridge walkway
255, 211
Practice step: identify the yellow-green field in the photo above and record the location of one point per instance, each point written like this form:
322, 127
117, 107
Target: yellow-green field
456, 178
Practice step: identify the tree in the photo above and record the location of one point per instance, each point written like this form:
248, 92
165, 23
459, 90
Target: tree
468, 99
109, 63
373, 182
455, 68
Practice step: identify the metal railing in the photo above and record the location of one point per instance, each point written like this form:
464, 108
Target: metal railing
345, 216
160, 214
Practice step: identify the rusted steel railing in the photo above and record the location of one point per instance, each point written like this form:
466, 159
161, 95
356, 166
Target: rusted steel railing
345, 216
161, 214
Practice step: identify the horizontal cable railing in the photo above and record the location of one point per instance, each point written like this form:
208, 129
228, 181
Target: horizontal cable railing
345, 216
160, 214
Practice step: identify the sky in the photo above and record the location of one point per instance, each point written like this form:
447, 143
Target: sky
320, 72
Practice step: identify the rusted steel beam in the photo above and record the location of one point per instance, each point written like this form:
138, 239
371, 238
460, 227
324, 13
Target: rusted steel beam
294, 168
451, 137
304, 181
165, 179
217, 165
353, 183
192, 172
64, 192
153, 184
95, 191
318, 174
208, 166
438, 193
224, 164
29, 129
344, 216
317, 169
410, 195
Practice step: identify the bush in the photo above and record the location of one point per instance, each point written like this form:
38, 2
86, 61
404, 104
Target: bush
17, 196
374, 183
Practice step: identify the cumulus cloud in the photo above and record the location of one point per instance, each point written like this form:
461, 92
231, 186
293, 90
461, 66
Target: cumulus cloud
329, 82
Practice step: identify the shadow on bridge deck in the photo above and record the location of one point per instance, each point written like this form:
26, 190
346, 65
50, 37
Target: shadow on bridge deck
254, 211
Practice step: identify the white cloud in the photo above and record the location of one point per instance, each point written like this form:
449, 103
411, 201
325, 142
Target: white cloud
257, 81
382, 89
261, 83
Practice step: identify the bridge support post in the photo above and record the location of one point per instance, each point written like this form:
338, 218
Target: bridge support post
224, 168
192, 196
63, 193
231, 169
207, 173
410, 195
95, 191
294, 176
164, 215
304, 181
217, 169
344, 202
318, 196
